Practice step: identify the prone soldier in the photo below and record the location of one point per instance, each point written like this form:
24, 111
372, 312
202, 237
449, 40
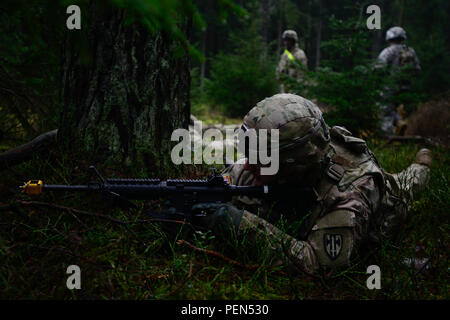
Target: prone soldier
353, 200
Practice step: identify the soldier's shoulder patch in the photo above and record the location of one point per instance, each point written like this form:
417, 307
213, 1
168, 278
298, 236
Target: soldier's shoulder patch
332, 244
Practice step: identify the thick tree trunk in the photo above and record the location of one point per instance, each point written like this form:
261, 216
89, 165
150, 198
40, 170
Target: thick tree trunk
123, 90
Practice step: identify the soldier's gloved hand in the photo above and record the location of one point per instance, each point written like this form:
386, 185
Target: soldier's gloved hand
221, 218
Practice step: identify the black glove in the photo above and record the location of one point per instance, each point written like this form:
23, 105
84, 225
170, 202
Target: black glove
221, 218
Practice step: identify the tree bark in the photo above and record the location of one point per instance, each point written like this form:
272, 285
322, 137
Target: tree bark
318, 41
378, 36
265, 8
280, 25
203, 65
318, 34
123, 90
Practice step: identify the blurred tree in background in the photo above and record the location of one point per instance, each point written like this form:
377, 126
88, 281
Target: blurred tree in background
233, 48
29, 74
125, 81
239, 79
340, 51
345, 85
116, 89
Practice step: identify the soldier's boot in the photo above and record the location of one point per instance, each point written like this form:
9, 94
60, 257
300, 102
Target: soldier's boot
415, 177
401, 189
424, 156
282, 248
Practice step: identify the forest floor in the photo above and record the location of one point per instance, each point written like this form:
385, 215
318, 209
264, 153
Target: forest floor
122, 255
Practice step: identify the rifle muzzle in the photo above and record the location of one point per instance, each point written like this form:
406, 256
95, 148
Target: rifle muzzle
32, 187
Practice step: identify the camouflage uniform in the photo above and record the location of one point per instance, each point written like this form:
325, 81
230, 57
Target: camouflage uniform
354, 199
286, 65
395, 56
390, 57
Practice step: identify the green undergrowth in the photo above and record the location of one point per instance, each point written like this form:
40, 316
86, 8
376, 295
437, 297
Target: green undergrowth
210, 115
139, 259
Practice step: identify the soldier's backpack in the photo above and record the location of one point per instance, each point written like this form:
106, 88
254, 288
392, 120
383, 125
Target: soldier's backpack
406, 58
406, 62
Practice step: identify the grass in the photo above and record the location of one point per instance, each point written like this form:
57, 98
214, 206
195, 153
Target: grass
209, 115
144, 261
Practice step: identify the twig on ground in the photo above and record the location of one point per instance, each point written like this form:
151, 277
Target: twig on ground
80, 212
184, 281
218, 255
59, 207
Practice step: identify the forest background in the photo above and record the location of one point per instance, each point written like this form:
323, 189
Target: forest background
216, 60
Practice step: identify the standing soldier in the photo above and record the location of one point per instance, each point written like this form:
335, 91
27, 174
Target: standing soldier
403, 64
291, 54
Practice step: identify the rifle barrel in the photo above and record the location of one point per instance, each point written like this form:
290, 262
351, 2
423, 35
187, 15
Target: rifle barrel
140, 190
62, 187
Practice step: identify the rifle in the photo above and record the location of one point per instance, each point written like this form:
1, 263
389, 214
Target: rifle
181, 194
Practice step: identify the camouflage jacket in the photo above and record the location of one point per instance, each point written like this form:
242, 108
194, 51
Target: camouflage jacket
286, 66
346, 203
391, 56
403, 65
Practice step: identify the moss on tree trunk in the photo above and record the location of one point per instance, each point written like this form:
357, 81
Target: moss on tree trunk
123, 91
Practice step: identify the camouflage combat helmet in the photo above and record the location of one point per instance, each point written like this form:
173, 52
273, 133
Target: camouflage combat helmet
395, 32
290, 34
303, 134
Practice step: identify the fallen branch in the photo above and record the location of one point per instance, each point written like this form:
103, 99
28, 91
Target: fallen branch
24, 152
418, 139
218, 255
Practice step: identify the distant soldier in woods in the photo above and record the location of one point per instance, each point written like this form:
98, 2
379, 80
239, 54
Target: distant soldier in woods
291, 54
403, 65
